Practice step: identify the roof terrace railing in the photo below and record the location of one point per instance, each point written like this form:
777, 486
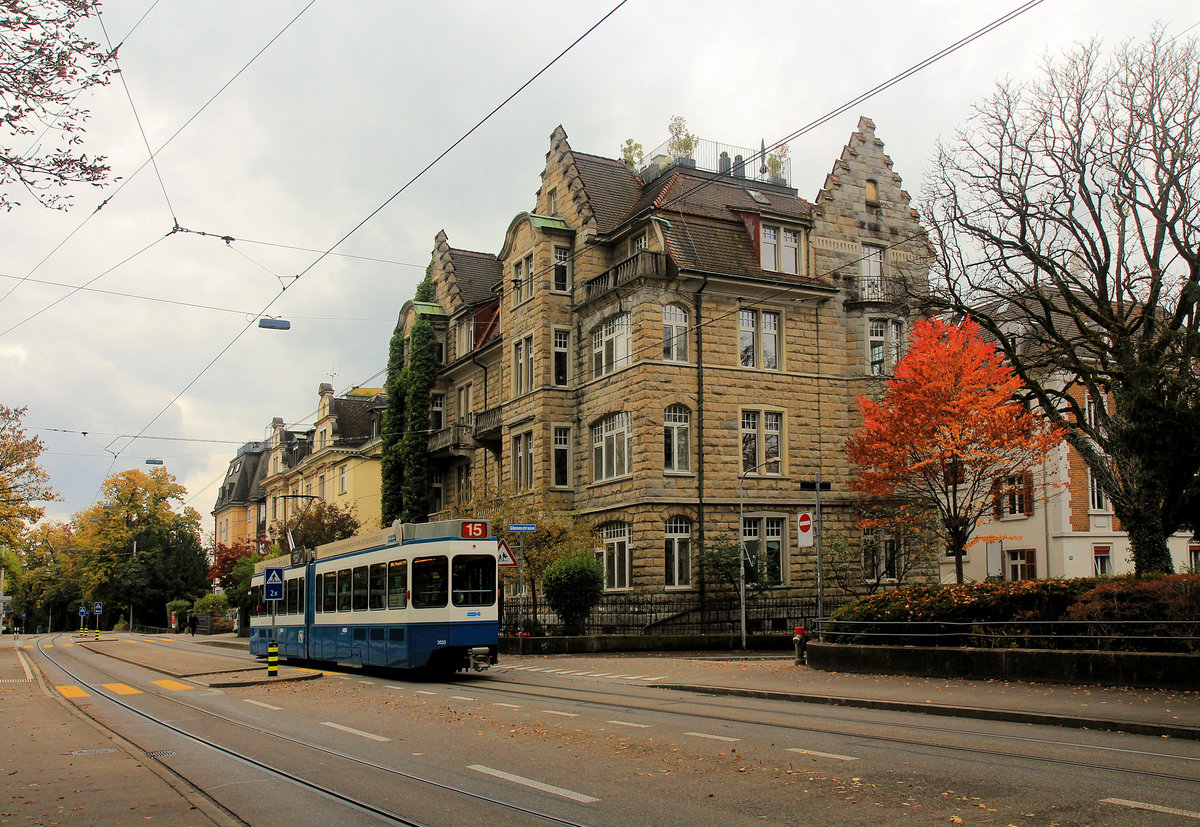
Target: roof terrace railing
737, 161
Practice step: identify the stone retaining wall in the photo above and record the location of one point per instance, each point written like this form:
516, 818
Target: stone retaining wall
1148, 669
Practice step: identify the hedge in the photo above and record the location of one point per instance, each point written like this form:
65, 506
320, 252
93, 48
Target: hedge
1155, 613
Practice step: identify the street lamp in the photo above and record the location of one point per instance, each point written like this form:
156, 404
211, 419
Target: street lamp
742, 544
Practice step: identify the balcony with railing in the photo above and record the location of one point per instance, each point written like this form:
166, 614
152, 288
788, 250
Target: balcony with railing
488, 425
456, 438
641, 263
874, 289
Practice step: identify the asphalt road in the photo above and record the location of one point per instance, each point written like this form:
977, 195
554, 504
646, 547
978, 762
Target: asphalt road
522, 745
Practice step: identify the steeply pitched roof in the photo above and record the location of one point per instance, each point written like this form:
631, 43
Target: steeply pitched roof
476, 274
610, 187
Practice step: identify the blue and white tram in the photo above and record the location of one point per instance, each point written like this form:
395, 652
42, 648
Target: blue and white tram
411, 596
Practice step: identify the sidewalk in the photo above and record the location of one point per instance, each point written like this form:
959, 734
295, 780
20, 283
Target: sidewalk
61, 768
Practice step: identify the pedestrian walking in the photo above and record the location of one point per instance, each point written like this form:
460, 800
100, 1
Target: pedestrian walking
192, 624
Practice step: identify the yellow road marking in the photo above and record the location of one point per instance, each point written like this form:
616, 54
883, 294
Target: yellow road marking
172, 685
71, 692
51, 646
65, 644
121, 689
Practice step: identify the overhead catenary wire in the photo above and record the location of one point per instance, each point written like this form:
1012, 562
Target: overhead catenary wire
365, 220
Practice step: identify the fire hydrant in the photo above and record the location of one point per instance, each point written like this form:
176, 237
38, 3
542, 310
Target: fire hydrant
799, 641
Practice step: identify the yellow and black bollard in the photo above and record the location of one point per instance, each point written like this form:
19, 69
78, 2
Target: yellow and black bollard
97, 631
272, 659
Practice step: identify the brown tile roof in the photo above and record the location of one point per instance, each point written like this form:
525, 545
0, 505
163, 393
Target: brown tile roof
477, 274
611, 188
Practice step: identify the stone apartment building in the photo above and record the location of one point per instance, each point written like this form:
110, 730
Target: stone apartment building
674, 353
336, 460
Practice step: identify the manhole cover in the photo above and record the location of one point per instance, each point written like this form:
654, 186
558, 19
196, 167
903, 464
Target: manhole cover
92, 751
161, 753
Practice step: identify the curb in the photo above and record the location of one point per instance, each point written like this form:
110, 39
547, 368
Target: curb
1006, 715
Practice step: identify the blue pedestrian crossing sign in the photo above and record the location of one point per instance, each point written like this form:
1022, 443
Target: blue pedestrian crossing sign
273, 588
83, 611
97, 607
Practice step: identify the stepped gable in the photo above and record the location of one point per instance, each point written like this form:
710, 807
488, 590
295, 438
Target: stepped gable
601, 189
469, 276
863, 137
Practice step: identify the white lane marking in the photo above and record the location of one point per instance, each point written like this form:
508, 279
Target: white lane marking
393, 686
424, 692
263, 705
712, 737
822, 754
656, 678
572, 672
461, 698
507, 706
1154, 808
24, 661
352, 731
368, 683
630, 723
564, 714
537, 785
637, 677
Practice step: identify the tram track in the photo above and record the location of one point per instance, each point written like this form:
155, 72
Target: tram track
724, 717
280, 772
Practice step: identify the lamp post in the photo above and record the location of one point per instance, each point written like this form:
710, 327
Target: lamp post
742, 544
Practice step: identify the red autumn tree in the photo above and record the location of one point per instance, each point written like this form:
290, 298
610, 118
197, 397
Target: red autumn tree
950, 433
225, 558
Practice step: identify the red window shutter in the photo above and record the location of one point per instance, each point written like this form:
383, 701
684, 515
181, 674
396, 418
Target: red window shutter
997, 503
1027, 484
1031, 563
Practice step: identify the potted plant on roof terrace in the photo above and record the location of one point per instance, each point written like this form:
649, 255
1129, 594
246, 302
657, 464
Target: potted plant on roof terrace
681, 144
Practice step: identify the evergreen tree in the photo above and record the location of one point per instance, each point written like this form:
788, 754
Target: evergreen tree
391, 461
419, 374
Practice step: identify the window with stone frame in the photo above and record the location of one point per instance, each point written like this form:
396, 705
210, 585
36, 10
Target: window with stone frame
881, 556
437, 496
522, 366
677, 438
561, 458
612, 447
1012, 496
885, 345
561, 282
762, 442
675, 333
1022, 564
611, 345
1097, 499
561, 357
462, 488
437, 411
781, 248
871, 279
765, 549
677, 554
615, 555
522, 460
343, 478
759, 344
1102, 560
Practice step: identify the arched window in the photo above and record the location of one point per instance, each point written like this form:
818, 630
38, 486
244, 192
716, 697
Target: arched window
678, 555
615, 555
675, 333
677, 438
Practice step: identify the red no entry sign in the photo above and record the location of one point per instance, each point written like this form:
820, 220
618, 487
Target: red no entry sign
804, 529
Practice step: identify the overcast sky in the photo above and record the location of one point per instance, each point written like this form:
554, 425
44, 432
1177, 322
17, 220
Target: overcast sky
342, 110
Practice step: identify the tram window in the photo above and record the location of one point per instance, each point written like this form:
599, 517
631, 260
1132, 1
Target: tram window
397, 584
289, 597
360, 588
429, 582
329, 590
256, 601
396, 634
300, 595
343, 581
474, 580
378, 586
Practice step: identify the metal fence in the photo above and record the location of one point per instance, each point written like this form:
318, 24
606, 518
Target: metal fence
670, 614
1115, 635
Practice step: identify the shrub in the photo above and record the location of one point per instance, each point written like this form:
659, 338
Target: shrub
211, 604
573, 586
1025, 612
180, 607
